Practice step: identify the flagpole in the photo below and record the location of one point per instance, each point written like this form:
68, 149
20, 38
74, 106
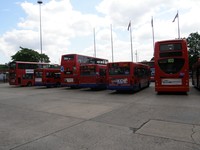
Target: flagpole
136, 55
178, 26
111, 42
129, 28
152, 32
94, 43
177, 16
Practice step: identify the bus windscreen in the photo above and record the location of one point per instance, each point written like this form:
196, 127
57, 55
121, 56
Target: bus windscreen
171, 65
119, 70
170, 47
68, 57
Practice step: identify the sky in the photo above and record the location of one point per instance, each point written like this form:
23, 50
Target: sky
68, 27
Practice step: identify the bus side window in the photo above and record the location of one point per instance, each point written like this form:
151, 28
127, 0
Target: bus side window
56, 75
142, 72
49, 75
139, 72
136, 72
102, 72
27, 76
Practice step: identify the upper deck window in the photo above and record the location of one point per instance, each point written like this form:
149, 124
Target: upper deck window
12, 65
170, 47
68, 57
118, 70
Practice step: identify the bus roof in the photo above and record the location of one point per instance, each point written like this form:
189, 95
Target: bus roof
171, 40
135, 63
93, 64
26, 62
48, 69
84, 56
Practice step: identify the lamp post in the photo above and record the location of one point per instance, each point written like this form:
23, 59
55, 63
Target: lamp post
40, 2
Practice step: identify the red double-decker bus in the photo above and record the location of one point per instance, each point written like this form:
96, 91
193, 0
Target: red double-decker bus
70, 68
128, 76
93, 76
171, 66
22, 73
49, 77
196, 74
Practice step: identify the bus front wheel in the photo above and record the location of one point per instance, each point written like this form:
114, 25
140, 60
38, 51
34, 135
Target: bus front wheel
29, 84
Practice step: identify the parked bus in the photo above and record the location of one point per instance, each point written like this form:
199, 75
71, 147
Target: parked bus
171, 66
196, 74
128, 76
93, 76
49, 77
152, 68
70, 68
22, 73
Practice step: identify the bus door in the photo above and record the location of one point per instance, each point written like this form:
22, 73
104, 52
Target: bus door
19, 80
102, 75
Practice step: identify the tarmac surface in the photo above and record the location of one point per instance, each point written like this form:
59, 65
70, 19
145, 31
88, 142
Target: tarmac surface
39, 118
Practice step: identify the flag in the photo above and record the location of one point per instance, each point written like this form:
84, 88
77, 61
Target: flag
175, 17
129, 25
152, 21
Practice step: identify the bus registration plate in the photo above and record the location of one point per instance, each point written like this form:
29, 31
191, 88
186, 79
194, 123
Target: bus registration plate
38, 79
69, 80
171, 81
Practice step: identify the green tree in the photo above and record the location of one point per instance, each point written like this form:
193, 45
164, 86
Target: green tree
3, 67
44, 58
25, 54
193, 42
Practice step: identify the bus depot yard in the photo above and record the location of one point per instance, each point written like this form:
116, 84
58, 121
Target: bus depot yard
40, 118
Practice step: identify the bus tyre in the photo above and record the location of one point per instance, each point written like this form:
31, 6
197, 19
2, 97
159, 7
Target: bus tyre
58, 84
29, 84
148, 84
139, 87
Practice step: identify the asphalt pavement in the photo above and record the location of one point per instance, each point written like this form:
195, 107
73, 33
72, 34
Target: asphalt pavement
39, 118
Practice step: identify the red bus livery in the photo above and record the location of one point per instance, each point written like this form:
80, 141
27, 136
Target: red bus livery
47, 77
93, 76
22, 73
128, 76
70, 68
196, 74
171, 66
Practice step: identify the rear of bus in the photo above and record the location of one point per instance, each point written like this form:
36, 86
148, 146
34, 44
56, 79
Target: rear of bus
70, 70
128, 76
120, 76
171, 66
21, 73
93, 76
13, 74
49, 77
